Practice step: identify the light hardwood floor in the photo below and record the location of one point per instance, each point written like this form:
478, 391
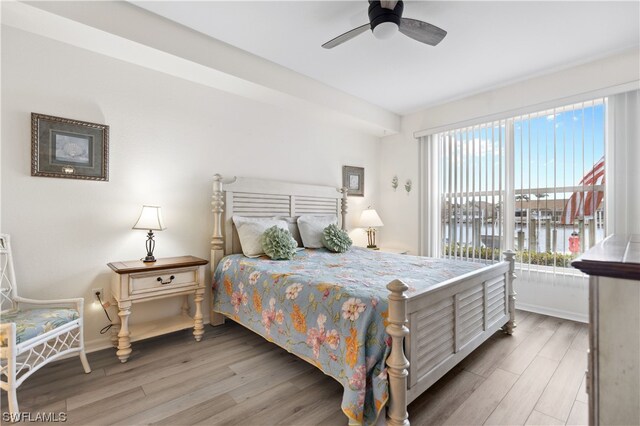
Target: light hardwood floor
535, 377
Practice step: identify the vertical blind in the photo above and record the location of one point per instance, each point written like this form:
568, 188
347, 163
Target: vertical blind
472, 188
559, 183
556, 197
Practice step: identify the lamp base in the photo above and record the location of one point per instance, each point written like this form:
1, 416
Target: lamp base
150, 245
371, 239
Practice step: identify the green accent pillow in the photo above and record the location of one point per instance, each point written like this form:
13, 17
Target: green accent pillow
278, 243
335, 239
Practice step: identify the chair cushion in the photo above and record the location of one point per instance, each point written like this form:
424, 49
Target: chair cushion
31, 323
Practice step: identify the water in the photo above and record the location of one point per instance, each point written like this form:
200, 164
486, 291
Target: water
464, 230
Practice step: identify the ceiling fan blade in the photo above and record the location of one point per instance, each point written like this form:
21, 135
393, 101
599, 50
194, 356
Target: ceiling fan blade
422, 31
388, 4
346, 36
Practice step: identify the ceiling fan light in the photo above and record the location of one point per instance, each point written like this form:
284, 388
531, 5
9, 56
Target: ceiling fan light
385, 30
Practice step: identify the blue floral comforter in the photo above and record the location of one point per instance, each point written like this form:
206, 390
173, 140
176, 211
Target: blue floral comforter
329, 309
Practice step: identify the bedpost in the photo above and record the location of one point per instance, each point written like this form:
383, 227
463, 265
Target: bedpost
217, 242
397, 362
510, 256
343, 207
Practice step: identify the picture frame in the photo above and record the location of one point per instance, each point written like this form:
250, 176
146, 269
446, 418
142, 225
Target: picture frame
353, 180
70, 149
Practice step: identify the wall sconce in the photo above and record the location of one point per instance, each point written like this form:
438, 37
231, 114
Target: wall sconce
407, 186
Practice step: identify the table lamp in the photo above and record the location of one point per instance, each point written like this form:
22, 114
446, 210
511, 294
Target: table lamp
369, 219
150, 219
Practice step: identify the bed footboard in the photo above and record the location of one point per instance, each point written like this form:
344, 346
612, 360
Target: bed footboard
433, 331
510, 326
397, 362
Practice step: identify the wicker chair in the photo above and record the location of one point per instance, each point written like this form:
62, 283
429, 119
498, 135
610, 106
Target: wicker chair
31, 337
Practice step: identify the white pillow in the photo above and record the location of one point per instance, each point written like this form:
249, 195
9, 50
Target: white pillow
292, 222
250, 230
311, 228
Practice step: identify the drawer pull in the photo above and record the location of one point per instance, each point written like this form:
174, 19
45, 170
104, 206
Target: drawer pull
166, 282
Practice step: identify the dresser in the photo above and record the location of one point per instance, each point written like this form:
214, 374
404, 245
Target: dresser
136, 282
613, 376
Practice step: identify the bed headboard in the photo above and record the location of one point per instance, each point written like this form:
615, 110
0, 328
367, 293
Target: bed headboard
266, 198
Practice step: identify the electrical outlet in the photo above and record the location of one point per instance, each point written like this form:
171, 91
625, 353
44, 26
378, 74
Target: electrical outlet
97, 290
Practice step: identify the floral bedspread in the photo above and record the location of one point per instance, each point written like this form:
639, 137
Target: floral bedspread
329, 309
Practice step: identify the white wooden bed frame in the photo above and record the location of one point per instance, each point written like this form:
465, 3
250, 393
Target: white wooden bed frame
431, 331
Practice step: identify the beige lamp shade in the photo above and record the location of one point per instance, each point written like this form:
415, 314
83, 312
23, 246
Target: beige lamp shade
150, 218
370, 219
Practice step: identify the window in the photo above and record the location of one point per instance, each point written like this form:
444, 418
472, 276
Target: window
550, 163
473, 191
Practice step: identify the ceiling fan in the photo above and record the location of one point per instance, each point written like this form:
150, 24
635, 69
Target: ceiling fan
385, 19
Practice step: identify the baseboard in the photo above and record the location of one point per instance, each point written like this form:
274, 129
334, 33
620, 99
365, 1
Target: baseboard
573, 316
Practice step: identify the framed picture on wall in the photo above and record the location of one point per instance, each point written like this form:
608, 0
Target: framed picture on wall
353, 180
66, 148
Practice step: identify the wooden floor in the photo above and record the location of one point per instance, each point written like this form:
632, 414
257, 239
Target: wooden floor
233, 376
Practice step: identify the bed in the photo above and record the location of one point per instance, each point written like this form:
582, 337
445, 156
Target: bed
385, 339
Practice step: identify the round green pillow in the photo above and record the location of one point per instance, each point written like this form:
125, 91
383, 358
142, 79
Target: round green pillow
335, 239
278, 243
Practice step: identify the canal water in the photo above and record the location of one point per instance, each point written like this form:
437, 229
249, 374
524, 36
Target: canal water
464, 235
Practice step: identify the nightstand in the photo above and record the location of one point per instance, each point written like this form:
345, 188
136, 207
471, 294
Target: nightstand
135, 281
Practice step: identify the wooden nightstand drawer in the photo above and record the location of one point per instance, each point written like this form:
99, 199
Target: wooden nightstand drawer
160, 280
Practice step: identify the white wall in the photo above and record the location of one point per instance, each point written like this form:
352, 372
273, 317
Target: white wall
121, 30
399, 154
167, 139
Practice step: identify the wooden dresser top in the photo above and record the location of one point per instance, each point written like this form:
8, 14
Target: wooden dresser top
617, 256
129, 266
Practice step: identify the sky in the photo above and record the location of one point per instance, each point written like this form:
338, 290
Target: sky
561, 147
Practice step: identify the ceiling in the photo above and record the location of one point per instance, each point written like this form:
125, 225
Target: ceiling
489, 44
